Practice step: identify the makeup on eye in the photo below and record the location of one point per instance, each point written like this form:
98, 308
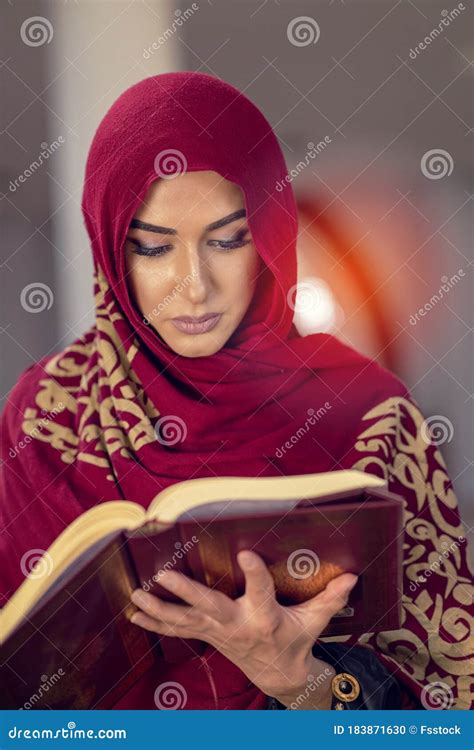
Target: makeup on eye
223, 245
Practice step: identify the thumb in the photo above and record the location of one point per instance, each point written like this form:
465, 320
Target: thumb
326, 604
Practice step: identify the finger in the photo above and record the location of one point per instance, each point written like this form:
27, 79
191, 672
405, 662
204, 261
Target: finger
172, 614
161, 628
205, 600
259, 585
333, 598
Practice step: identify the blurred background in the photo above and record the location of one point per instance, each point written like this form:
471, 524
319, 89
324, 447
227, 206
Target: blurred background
372, 104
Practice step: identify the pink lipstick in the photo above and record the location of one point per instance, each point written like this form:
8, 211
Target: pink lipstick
203, 324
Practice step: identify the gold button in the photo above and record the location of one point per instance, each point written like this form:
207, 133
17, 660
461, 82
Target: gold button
345, 687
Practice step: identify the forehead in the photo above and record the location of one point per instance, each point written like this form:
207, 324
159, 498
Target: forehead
205, 193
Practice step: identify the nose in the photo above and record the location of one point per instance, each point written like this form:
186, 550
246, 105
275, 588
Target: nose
195, 275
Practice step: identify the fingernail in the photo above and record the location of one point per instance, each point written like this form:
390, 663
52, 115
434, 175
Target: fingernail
350, 585
168, 579
137, 597
247, 559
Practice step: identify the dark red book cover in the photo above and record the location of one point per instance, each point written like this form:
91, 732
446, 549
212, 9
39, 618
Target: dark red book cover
77, 649
304, 548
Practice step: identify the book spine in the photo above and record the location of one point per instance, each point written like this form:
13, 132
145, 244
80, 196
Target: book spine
141, 648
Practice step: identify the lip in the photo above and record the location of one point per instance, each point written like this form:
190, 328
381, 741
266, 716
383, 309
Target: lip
187, 324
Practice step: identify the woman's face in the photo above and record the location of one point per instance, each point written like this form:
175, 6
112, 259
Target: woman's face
190, 255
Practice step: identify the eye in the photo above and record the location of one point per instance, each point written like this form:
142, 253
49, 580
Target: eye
150, 252
237, 241
228, 244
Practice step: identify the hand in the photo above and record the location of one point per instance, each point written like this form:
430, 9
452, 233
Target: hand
270, 643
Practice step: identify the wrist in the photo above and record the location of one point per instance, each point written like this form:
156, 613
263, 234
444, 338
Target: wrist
313, 691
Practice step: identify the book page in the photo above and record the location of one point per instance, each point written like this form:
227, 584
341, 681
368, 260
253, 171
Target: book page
183, 496
82, 533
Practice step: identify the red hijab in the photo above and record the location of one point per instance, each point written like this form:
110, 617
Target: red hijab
89, 413
235, 407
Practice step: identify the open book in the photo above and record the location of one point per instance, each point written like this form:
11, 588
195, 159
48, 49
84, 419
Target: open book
74, 608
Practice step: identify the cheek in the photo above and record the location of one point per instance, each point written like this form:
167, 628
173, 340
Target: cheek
238, 276
148, 282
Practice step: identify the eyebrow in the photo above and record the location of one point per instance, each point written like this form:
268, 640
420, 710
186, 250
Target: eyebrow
137, 224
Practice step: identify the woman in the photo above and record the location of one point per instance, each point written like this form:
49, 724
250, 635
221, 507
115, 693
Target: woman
194, 368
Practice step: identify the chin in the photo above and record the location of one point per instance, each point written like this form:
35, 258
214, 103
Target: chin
193, 349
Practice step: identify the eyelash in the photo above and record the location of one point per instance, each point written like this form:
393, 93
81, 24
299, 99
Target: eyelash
153, 252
